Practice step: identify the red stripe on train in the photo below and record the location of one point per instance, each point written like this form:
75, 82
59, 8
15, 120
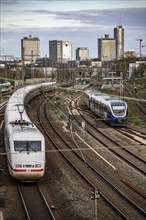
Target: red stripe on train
24, 170
18, 170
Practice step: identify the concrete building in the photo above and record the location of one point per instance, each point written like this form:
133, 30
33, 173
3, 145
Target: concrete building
60, 51
106, 48
30, 49
55, 50
119, 36
82, 53
66, 51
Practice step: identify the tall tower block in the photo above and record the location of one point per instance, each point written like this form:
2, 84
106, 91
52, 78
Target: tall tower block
119, 36
60, 51
30, 49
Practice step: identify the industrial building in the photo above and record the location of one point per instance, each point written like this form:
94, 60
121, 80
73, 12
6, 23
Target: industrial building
106, 48
60, 51
30, 49
82, 53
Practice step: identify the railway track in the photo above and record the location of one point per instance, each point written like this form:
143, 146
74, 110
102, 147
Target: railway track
138, 101
133, 133
125, 214
111, 144
2, 107
75, 157
34, 203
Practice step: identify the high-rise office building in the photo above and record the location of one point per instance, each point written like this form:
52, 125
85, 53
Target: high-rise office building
106, 48
60, 51
82, 53
66, 51
119, 36
30, 49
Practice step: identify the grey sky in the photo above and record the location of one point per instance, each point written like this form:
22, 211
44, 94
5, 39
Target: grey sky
81, 22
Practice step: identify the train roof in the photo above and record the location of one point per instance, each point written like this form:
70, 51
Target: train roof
14, 120
27, 132
106, 99
15, 124
90, 93
103, 97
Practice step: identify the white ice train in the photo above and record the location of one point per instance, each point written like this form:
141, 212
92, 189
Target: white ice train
109, 108
24, 143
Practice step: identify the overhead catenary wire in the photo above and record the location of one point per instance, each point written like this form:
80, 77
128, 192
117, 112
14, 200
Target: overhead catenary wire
81, 129
70, 150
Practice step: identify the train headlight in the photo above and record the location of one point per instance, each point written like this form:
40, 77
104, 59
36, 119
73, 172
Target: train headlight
18, 165
120, 120
38, 165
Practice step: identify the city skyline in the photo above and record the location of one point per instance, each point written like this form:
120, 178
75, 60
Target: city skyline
80, 22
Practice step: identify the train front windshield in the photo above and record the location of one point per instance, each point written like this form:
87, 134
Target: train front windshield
118, 109
27, 146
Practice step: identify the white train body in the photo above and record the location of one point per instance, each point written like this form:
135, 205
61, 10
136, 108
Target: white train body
111, 109
24, 143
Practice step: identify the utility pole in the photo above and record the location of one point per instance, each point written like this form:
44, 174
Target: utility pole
32, 62
121, 86
140, 45
70, 118
95, 196
23, 66
46, 66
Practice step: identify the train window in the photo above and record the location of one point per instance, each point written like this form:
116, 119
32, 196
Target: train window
27, 146
34, 145
20, 146
118, 109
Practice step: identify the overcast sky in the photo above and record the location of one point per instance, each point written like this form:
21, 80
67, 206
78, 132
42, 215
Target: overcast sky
81, 22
